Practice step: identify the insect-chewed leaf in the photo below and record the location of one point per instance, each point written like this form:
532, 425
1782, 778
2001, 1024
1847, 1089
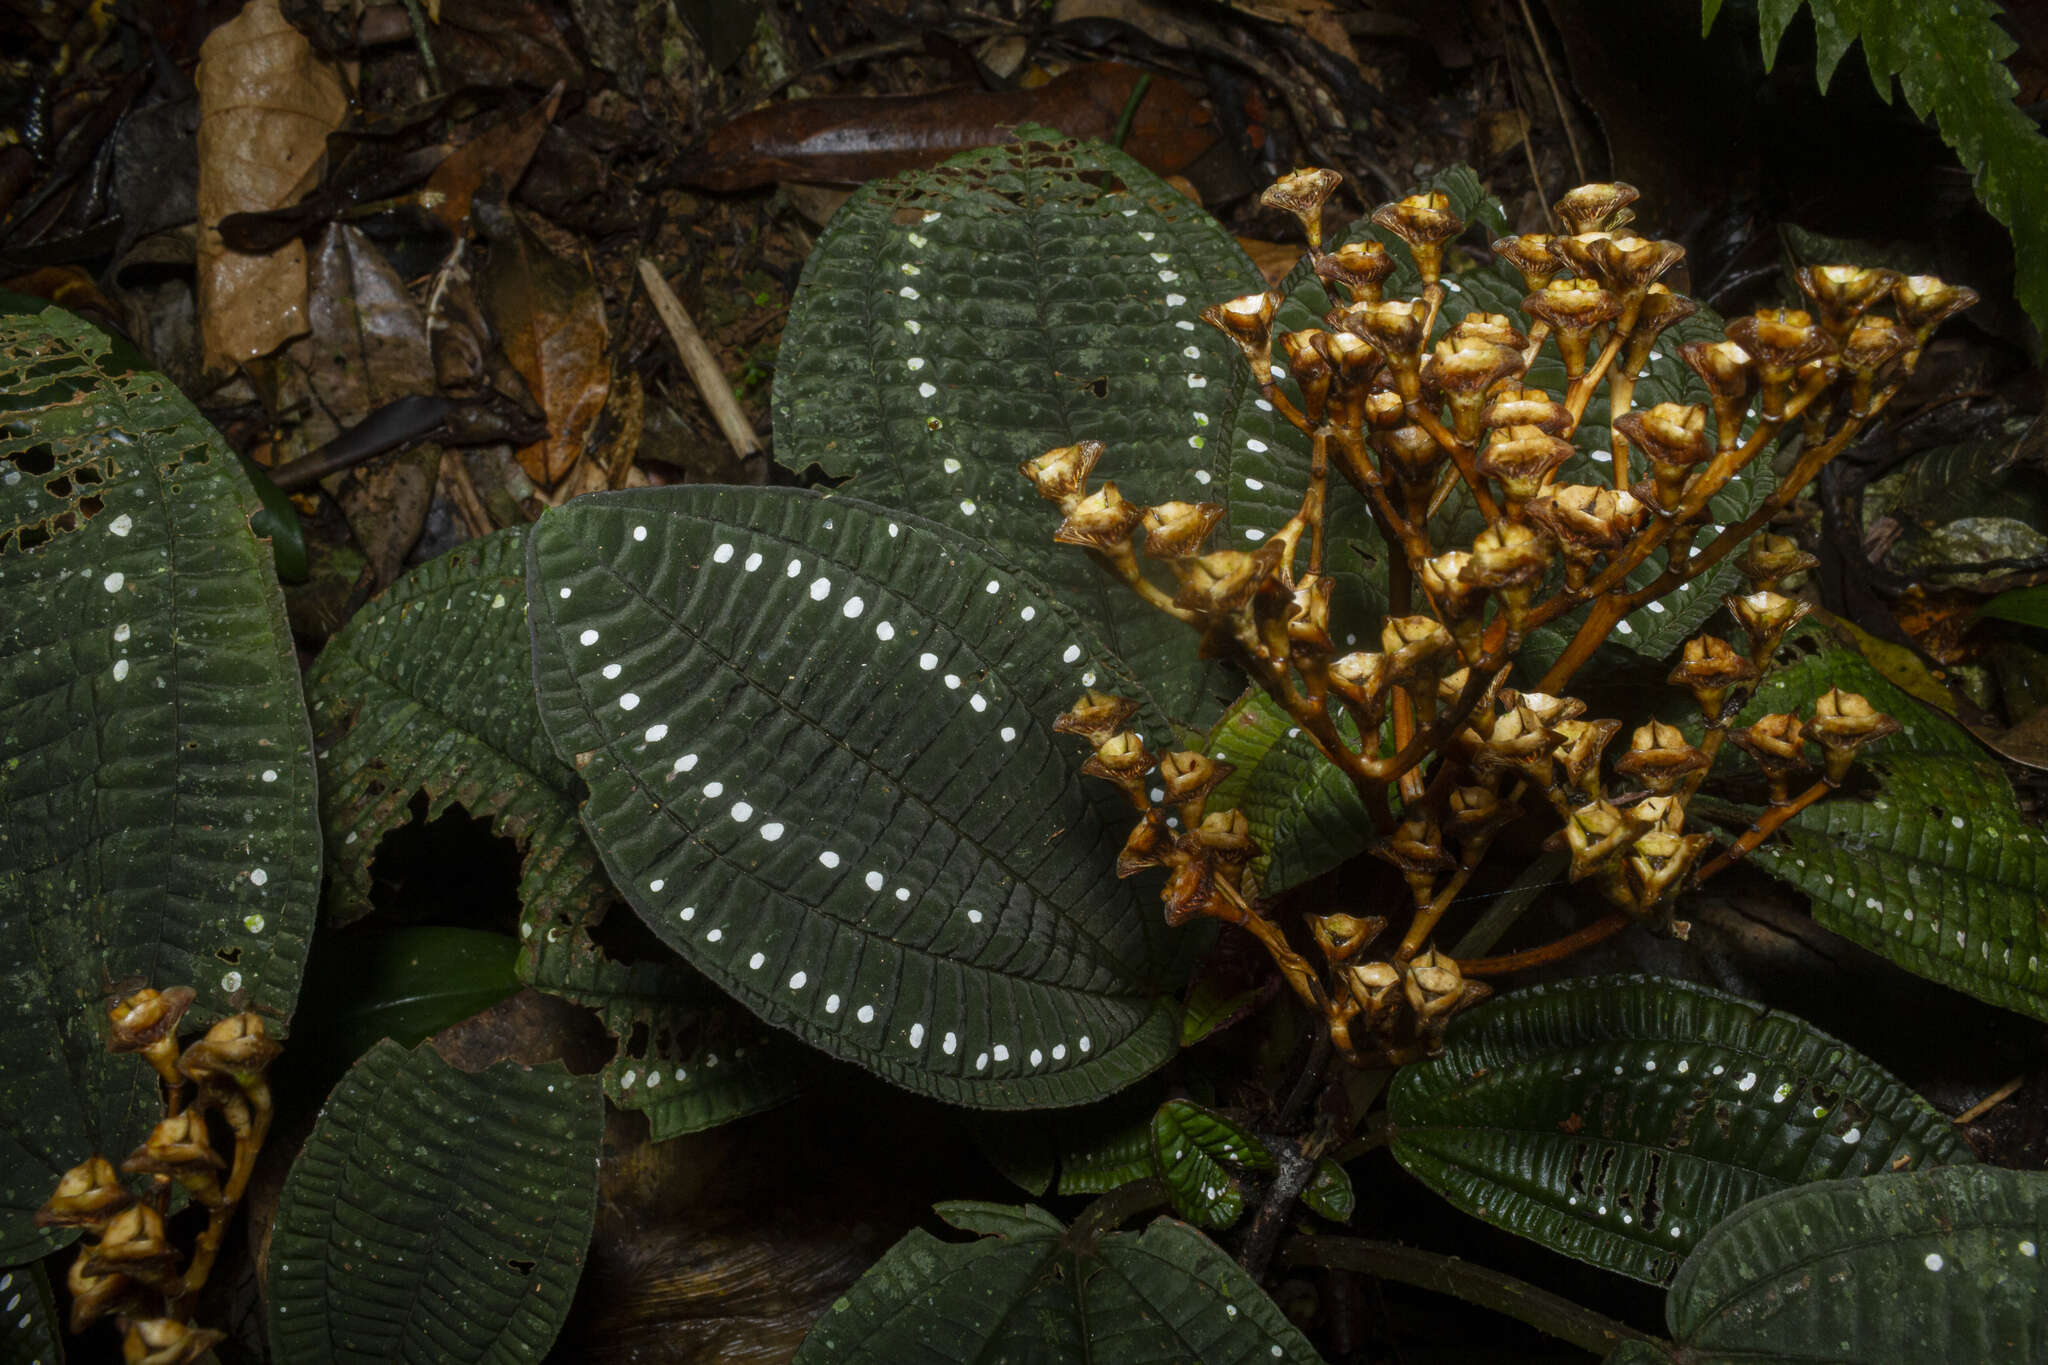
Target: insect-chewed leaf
1616, 1119
157, 823
1024, 1294
1925, 1265
818, 740
424, 692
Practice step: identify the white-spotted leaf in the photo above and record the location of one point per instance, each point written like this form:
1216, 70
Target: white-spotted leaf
1938, 869
157, 822
818, 740
1616, 1119
1925, 1265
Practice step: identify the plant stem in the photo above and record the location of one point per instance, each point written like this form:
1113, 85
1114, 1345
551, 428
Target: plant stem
1255, 1253
1556, 951
1539, 1308
1129, 115
1767, 825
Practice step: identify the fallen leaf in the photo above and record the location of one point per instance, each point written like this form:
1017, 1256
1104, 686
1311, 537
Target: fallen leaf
1274, 259
498, 154
850, 140
1313, 17
266, 106
550, 319
367, 348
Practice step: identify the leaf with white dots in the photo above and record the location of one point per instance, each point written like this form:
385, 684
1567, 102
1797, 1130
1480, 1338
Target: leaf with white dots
1191, 1147
687, 1057
427, 691
956, 321
29, 1330
818, 741
1924, 1265
1030, 1291
157, 821
1616, 1119
1938, 869
436, 1215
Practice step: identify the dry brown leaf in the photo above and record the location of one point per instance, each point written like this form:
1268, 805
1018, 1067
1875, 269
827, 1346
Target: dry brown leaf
266, 106
1316, 18
498, 154
1274, 259
550, 319
367, 347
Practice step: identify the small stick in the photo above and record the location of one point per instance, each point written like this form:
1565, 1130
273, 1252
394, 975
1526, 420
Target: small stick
1989, 1102
1550, 78
703, 367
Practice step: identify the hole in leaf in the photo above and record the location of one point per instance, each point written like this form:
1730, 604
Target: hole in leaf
448, 870
229, 955
625, 938
520, 1265
34, 460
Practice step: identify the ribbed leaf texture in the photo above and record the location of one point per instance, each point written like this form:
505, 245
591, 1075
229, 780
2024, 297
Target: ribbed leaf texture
956, 321
818, 740
1303, 811
1925, 1265
1024, 1296
688, 1057
157, 822
30, 1330
1939, 870
1616, 1119
436, 1216
1191, 1146
426, 691
1950, 59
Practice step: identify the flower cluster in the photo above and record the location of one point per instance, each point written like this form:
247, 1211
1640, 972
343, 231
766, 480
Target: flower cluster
1412, 414
128, 1267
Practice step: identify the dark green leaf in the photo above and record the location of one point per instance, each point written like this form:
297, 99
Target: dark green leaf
1025, 1296
427, 691
277, 523
2028, 606
1304, 812
1190, 1147
1926, 1265
436, 1216
1939, 870
818, 740
30, 1330
1329, 1192
688, 1057
1616, 1119
406, 985
1950, 59
1207, 1009
955, 322
157, 820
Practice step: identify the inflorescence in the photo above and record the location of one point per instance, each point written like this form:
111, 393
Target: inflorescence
1448, 752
